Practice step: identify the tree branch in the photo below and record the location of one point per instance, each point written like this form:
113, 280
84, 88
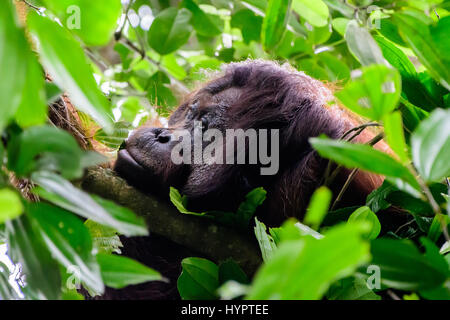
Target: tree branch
215, 241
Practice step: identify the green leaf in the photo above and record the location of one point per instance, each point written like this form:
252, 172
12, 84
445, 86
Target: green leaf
337, 255
252, 201
62, 193
430, 146
376, 200
435, 230
105, 239
390, 31
318, 207
121, 131
27, 247
249, 23
393, 129
266, 243
362, 45
441, 293
7, 292
129, 108
198, 280
374, 94
230, 270
340, 25
170, 30
69, 242
239, 219
33, 108
403, 267
412, 86
274, 23
417, 35
93, 21
119, 272
205, 24
45, 148
72, 295
364, 157
364, 214
341, 7
52, 92
64, 60
291, 229
439, 33
351, 289
396, 57
14, 61
10, 205
170, 63
336, 69
313, 11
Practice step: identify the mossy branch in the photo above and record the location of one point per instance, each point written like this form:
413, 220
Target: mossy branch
215, 241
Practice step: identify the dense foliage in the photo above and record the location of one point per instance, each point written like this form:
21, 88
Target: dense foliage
123, 63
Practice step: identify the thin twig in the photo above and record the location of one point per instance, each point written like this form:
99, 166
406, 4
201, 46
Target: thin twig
350, 178
344, 188
393, 295
31, 5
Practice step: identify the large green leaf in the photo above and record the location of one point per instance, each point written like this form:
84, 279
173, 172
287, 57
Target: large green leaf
351, 289
362, 45
198, 280
170, 30
416, 33
93, 21
374, 94
64, 60
431, 146
205, 24
27, 247
45, 148
274, 23
403, 267
119, 272
10, 205
314, 11
13, 63
32, 109
62, 193
249, 23
69, 242
305, 268
412, 85
341, 7
364, 157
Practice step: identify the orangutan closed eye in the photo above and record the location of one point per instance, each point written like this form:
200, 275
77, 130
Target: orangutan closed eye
277, 106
